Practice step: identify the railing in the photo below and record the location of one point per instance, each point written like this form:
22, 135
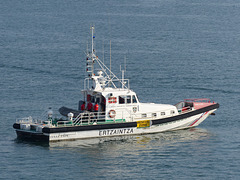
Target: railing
92, 118
88, 118
197, 100
128, 112
64, 123
121, 83
25, 120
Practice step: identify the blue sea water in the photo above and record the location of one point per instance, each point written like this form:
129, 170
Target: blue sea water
174, 50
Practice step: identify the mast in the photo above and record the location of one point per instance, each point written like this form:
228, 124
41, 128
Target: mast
103, 51
92, 50
123, 71
92, 28
90, 57
110, 66
105, 76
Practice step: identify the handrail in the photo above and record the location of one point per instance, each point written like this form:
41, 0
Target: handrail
24, 120
78, 117
88, 117
197, 100
126, 110
127, 81
64, 123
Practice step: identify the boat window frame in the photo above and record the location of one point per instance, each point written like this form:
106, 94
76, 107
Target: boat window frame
172, 112
122, 100
154, 115
128, 97
92, 99
134, 99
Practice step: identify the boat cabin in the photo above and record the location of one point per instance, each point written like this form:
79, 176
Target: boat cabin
119, 104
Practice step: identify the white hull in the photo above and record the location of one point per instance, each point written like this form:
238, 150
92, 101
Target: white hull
180, 124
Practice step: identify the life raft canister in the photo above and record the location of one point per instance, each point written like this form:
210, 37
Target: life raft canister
112, 113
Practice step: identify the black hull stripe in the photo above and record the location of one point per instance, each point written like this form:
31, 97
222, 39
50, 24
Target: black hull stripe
31, 136
89, 127
123, 125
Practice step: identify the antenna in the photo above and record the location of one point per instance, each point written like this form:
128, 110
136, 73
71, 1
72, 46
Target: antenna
87, 47
103, 51
92, 50
125, 62
110, 65
92, 28
123, 70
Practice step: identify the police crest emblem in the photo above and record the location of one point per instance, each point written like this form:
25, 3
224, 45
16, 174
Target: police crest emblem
134, 109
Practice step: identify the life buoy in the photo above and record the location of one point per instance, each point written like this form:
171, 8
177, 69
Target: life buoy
112, 113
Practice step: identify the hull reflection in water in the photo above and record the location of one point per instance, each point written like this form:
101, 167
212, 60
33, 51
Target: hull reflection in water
158, 139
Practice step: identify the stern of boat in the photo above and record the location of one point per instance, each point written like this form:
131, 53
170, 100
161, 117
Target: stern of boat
26, 128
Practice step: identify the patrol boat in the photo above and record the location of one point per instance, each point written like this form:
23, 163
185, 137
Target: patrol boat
110, 108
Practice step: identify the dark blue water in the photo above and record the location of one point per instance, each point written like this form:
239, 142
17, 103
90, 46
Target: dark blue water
174, 49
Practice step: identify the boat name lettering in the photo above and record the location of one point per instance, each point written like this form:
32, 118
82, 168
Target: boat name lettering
59, 136
115, 131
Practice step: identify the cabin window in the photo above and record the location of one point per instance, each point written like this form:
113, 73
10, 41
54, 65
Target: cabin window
154, 115
172, 112
144, 115
92, 99
121, 99
162, 113
97, 100
128, 99
134, 100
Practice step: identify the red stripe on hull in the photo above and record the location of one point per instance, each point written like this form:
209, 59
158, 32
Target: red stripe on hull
198, 119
